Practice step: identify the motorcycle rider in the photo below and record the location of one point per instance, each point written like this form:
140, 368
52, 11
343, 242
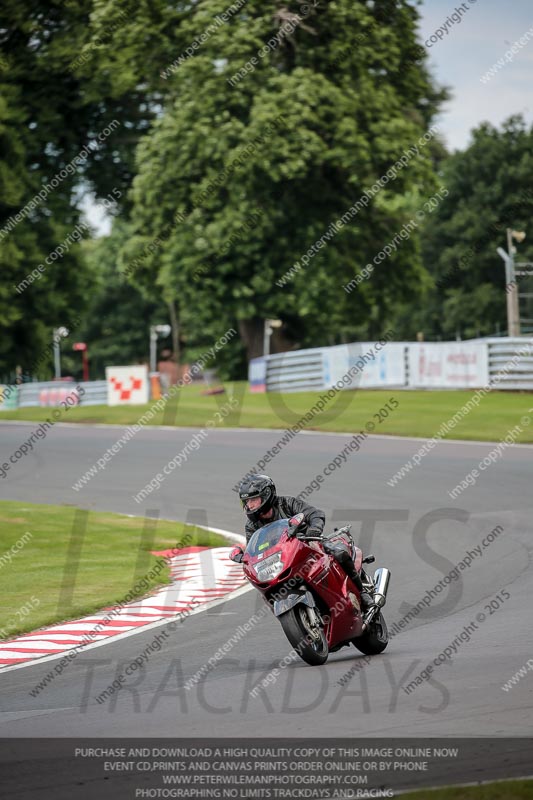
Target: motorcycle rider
262, 505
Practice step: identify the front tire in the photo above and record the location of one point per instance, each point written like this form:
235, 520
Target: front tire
375, 639
308, 640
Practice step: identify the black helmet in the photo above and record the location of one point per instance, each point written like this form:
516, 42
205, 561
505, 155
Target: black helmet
257, 486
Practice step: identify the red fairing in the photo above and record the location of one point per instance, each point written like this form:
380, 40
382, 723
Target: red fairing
274, 560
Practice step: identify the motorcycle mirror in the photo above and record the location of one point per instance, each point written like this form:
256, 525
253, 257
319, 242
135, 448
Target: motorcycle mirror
296, 521
237, 554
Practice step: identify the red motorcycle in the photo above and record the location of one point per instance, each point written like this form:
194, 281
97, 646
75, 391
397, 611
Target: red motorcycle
316, 603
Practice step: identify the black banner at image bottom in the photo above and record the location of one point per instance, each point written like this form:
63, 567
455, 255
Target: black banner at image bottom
274, 769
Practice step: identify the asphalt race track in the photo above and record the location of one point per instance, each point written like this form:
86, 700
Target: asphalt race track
413, 528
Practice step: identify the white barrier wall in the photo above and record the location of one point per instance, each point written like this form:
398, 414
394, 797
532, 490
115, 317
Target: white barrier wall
127, 385
383, 368
257, 370
448, 365
503, 363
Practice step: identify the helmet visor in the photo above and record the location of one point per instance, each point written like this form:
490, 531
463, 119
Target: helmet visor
253, 503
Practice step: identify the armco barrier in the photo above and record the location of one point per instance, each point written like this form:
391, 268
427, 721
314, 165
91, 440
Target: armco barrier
322, 367
52, 393
513, 366
503, 363
295, 371
95, 393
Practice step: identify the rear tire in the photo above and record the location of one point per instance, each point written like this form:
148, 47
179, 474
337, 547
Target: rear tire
297, 627
375, 639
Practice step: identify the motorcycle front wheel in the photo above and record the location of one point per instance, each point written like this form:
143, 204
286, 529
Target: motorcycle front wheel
308, 640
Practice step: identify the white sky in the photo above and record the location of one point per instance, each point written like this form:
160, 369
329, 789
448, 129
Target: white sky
486, 31
472, 47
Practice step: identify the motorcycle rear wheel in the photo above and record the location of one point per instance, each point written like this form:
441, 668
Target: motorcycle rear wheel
375, 639
309, 642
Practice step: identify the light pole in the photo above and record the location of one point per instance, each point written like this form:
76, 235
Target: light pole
270, 324
511, 287
155, 331
59, 333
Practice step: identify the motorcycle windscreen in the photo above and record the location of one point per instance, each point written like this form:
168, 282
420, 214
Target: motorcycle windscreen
266, 537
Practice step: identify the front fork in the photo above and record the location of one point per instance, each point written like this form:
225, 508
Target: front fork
316, 622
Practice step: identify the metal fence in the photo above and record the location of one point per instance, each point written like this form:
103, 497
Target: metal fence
502, 363
52, 393
298, 371
511, 363
510, 367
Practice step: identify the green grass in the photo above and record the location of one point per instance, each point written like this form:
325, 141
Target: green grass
113, 557
419, 413
505, 790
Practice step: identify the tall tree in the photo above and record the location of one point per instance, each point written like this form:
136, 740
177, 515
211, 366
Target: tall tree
490, 189
285, 117
62, 132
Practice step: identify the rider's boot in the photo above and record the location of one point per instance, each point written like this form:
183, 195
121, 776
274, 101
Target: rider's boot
346, 562
366, 601
366, 598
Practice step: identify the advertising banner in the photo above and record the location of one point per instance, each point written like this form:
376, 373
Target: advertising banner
368, 367
449, 365
8, 396
127, 385
257, 374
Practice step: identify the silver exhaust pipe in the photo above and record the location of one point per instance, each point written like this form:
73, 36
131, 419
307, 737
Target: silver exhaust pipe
381, 582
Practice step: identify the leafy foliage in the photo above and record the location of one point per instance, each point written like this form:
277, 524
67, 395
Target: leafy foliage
490, 190
319, 119
48, 115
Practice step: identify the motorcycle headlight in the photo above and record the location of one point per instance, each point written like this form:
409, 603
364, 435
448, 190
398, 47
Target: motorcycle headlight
269, 568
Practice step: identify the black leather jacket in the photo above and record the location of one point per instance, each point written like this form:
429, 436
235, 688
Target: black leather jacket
287, 507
